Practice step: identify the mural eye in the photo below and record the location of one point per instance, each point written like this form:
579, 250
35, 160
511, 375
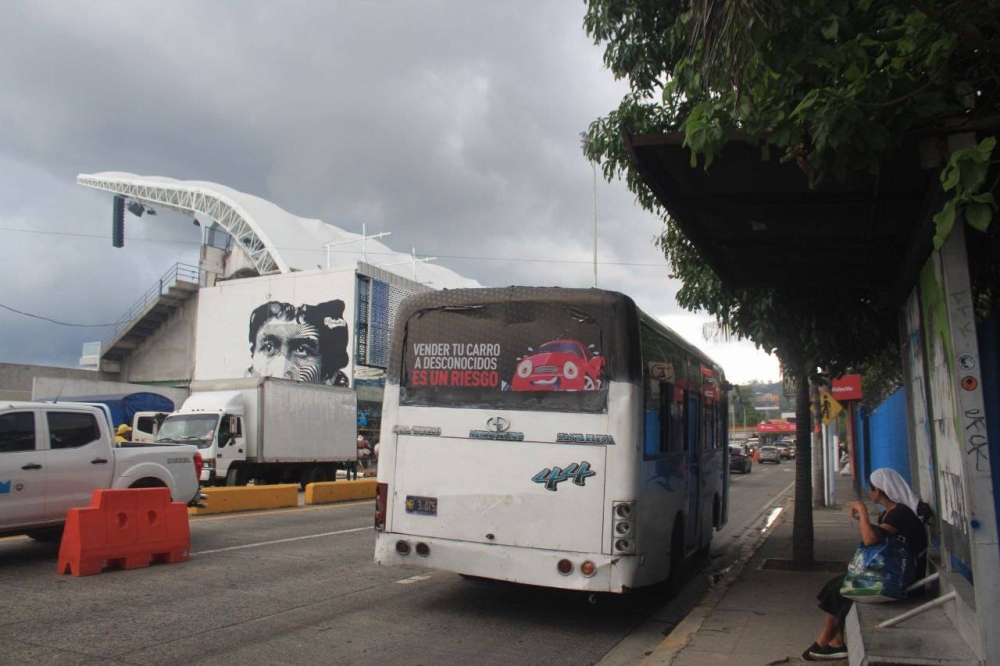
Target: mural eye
303, 350
268, 347
524, 368
570, 371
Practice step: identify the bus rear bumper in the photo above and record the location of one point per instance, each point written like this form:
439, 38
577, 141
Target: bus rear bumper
530, 566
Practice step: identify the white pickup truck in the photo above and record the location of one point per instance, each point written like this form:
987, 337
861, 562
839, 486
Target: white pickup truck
54, 455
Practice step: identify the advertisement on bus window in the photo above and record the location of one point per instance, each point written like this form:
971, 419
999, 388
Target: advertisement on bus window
489, 353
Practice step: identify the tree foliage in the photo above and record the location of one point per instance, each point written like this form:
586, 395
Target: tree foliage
834, 85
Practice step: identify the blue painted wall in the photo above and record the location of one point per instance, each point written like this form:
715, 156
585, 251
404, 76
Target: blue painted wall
886, 439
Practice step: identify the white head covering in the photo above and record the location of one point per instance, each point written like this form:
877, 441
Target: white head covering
895, 487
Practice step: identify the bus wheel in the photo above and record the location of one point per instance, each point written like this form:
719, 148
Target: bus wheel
676, 558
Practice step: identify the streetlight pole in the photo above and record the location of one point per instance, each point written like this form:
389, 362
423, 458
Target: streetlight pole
594, 167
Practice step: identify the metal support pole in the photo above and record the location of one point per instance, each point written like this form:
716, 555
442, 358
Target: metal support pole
922, 608
924, 581
815, 429
834, 466
825, 433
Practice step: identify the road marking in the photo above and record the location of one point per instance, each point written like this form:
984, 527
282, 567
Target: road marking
298, 538
773, 516
412, 579
251, 514
14, 538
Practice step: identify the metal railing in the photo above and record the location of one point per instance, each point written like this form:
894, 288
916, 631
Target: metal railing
177, 273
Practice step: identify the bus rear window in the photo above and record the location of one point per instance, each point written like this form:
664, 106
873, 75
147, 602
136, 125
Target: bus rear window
539, 356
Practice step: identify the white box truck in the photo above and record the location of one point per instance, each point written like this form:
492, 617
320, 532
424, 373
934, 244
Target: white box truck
267, 430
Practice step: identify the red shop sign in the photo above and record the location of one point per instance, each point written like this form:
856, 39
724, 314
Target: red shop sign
847, 387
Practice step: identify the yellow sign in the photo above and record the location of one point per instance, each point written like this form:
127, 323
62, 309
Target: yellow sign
829, 408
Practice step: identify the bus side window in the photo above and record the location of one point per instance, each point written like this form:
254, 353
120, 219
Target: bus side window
678, 420
652, 417
666, 402
709, 415
694, 423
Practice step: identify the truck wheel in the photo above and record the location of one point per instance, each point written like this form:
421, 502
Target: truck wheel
314, 474
236, 477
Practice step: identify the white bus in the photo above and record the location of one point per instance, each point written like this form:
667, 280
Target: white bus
554, 437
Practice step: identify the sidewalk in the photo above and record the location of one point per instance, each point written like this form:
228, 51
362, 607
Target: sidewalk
762, 615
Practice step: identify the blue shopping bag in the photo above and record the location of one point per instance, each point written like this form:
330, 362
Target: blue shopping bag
880, 573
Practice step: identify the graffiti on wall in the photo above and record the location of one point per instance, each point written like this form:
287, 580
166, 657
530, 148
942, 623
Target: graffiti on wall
914, 356
947, 442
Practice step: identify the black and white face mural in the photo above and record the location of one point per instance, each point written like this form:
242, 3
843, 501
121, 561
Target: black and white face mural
307, 343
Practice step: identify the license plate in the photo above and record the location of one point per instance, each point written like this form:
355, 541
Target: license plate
424, 506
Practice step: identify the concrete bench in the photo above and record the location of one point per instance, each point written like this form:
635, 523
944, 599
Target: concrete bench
928, 638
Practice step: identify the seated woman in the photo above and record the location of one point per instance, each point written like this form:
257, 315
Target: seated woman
903, 516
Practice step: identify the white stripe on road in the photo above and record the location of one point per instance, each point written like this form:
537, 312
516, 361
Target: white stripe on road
412, 579
268, 543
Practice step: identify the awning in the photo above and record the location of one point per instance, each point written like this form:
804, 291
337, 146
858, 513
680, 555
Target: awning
758, 224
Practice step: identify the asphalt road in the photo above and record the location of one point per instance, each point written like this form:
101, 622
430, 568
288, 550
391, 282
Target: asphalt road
300, 584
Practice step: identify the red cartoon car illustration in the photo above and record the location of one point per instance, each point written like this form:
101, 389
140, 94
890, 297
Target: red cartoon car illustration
560, 365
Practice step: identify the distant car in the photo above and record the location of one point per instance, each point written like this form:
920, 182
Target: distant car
740, 459
560, 365
785, 451
770, 454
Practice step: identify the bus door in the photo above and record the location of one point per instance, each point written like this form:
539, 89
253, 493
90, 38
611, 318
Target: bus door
693, 446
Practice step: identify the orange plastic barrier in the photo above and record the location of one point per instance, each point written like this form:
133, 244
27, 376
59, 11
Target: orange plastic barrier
124, 529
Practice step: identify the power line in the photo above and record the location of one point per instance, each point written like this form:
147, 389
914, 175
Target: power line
54, 321
358, 252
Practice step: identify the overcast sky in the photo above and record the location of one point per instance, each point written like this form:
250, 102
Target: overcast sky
454, 125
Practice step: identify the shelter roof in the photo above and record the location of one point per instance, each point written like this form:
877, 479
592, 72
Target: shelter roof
758, 223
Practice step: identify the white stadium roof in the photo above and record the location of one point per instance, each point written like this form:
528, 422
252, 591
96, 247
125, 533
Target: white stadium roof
274, 239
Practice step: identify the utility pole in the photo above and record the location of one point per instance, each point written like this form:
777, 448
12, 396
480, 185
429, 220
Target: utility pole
818, 453
594, 167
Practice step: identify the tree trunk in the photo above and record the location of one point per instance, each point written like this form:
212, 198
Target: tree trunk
802, 524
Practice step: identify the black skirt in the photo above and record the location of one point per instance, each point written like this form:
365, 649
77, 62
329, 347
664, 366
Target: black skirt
832, 601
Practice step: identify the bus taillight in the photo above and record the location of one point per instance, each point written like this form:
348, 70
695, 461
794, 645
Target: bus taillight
381, 498
623, 527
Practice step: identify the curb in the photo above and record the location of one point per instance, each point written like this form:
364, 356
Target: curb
248, 498
677, 640
340, 491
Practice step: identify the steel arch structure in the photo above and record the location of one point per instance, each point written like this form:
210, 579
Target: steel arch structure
188, 199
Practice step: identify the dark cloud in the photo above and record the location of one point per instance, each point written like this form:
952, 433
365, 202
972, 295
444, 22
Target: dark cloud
454, 125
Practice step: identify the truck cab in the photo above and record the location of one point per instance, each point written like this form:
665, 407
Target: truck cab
214, 421
54, 455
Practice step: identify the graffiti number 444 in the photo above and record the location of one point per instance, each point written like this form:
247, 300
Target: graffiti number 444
553, 477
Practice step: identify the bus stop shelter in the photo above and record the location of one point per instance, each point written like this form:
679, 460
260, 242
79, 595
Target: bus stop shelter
869, 232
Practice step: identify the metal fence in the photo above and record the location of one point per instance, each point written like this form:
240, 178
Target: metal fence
177, 273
